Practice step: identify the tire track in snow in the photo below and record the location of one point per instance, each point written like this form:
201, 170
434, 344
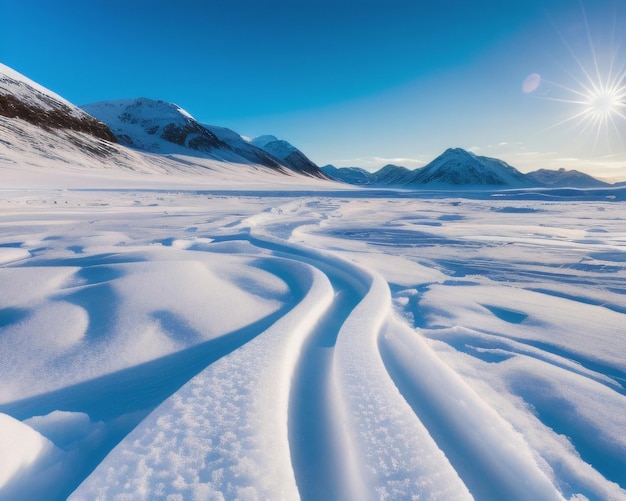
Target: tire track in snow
319, 454
378, 398
493, 460
200, 441
339, 451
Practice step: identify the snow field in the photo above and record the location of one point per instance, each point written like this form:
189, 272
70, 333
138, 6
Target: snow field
215, 346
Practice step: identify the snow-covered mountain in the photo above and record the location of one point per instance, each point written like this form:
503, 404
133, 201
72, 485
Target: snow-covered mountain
288, 154
22, 98
243, 147
155, 126
350, 175
563, 178
454, 167
392, 175
48, 141
458, 167
161, 127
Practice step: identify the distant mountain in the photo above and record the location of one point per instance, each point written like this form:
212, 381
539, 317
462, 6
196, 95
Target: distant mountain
392, 175
454, 167
350, 175
22, 98
457, 167
288, 154
243, 147
563, 178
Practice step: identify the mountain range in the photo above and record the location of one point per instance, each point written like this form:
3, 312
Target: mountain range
165, 128
461, 168
138, 134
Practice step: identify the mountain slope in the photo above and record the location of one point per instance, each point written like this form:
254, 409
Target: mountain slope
46, 141
563, 178
288, 154
457, 167
392, 175
22, 98
243, 147
165, 128
350, 175
154, 126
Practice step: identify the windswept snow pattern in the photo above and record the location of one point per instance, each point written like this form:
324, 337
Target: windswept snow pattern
355, 345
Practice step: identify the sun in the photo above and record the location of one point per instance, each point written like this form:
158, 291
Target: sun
604, 104
596, 95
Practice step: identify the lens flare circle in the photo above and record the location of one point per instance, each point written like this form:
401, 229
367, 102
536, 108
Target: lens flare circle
531, 83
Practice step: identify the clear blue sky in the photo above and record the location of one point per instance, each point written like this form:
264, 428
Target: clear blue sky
348, 82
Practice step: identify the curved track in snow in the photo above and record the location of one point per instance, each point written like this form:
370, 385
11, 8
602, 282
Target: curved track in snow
335, 364
323, 392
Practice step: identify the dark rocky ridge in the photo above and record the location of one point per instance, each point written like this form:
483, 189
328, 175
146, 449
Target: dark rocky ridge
58, 116
187, 133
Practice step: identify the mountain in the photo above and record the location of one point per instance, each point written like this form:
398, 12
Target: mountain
392, 175
155, 126
454, 167
288, 154
161, 127
563, 178
457, 167
47, 141
243, 147
350, 175
22, 98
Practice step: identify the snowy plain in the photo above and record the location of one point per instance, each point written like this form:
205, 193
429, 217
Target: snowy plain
311, 342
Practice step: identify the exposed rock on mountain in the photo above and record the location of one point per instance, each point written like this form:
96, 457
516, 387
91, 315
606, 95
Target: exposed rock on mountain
288, 154
154, 125
22, 98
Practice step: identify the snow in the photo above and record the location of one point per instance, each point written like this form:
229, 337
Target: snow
143, 120
281, 149
275, 344
38, 159
262, 141
28, 91
20, 447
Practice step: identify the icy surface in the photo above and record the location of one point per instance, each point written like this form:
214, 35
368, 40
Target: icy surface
318, 345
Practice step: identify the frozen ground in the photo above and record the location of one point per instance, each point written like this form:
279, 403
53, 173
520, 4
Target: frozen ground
356, 345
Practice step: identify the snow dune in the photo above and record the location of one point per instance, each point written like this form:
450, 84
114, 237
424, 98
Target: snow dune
346, 345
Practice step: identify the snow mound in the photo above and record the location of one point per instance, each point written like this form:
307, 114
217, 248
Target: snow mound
24, 452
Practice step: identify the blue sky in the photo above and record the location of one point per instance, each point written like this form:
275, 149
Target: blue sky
349, 82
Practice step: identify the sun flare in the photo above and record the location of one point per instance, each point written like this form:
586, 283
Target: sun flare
598, 95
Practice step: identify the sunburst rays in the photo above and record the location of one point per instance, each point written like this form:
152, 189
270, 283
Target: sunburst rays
596, 94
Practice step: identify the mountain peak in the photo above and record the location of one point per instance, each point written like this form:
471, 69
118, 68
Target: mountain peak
458, 167
154, 125
563, 178
288, 154
457, 151
264, 140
